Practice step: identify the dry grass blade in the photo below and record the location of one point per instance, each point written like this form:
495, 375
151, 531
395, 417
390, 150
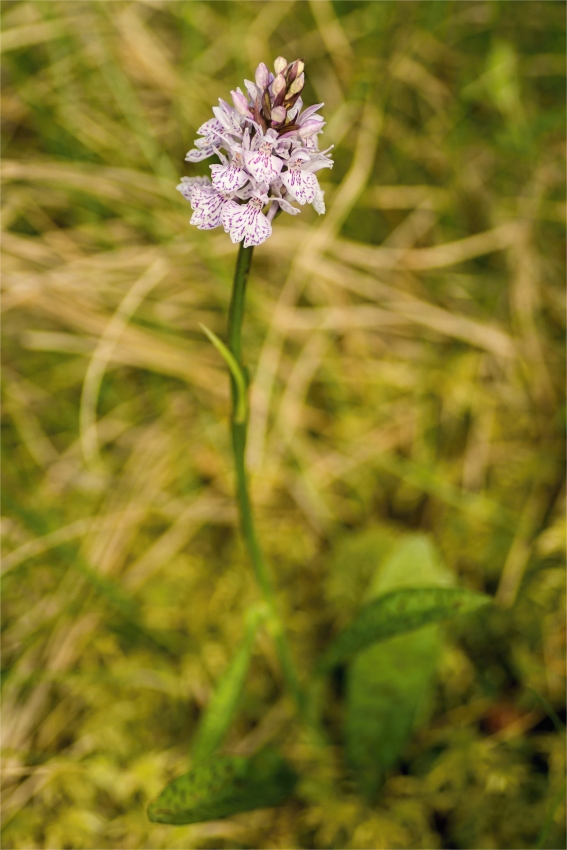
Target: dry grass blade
42, 544
420, 259
102, 355
410, 309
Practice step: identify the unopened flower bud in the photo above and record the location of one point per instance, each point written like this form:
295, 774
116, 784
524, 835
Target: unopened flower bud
279, 115
280, 64
297, 85
278, 85
241, 103
294, 71
262, 76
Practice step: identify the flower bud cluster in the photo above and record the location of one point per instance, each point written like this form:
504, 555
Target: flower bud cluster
268, 152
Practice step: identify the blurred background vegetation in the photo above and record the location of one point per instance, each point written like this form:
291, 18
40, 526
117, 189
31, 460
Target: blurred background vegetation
407, 357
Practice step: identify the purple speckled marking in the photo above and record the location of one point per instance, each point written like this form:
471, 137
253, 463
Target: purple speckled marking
262, 165
301, 185
229, 178
246, 221
208, 206
210, 129
196, 155
189, 184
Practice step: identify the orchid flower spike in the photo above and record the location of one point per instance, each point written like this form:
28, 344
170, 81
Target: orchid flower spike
268, 151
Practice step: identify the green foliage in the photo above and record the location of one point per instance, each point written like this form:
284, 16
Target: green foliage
398, 612
224, 786
235, 371
222, 707
389, 686
388, 689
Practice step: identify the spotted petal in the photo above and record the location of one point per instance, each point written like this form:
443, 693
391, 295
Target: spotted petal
246, 221
208, 205
211, 129
227, 117
301, 185
197, 155
286, 206
318, 201
228, 178
263, 166
189, 184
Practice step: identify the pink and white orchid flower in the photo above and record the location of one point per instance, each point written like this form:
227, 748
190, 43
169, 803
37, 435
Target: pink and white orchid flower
268, 152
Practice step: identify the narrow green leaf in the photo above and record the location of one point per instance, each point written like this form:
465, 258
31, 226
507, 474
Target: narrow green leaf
223, 786
224, 702
389, 684
398, 612
236, 372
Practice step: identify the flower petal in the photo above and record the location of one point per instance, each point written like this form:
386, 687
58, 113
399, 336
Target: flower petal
246, 221
210, 129
287, 207
317, 162
252, 90
230, 213
301, 185
262, 165
227, 116
311, 110
208, 206
189, 184
197, 155
318, 202
228, 178
257, 230
311, 126
295, 110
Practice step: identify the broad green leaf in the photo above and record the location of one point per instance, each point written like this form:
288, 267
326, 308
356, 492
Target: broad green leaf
413, 562
352, 567
223, 786
224, 702
388, 685
398, 612
236, 372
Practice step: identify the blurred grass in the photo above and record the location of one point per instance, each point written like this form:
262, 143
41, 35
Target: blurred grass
407, 357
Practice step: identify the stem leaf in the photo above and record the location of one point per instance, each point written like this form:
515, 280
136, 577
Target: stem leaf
223, 786
396, 613
224, 702
241, 408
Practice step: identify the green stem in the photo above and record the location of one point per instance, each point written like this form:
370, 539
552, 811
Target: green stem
238, 433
